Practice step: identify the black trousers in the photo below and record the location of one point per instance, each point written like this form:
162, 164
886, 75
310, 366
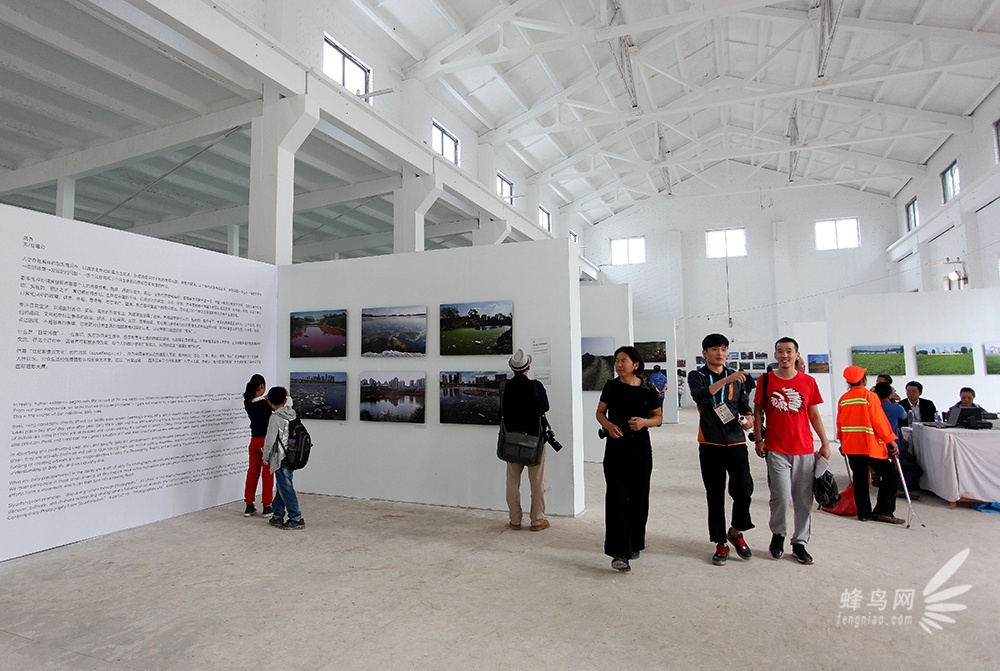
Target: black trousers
628, 464
718, 461
885, 503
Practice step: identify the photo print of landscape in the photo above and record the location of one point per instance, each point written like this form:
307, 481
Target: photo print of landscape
652, 351
477, 328
598, 362
319, 395
394, 332
992, 352
471, 397
879, 359
318, 333
393, 397
945, 359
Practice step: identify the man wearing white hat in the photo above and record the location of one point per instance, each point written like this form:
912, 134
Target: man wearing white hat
522, 405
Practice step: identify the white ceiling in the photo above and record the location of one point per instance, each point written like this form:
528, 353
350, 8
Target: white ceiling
603, 103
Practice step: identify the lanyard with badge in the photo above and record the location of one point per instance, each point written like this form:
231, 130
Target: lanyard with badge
721, 408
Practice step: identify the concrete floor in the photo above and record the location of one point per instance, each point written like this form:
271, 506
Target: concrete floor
374, 585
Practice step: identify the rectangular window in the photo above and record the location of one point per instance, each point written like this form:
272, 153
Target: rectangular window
628, 250
726, 242
838, 234
505, 188
950, 186
544, 219
444, 142
345, 69
912, 214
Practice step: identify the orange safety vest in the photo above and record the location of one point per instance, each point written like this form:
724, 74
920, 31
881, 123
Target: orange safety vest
862, 427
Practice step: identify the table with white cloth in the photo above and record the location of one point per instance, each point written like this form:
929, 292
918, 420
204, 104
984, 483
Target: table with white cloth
959, 464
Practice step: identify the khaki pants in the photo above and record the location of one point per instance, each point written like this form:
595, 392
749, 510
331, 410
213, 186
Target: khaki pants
536, 479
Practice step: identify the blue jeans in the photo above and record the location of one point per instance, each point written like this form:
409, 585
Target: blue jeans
285, 494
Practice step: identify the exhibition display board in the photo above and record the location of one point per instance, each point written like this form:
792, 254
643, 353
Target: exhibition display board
126, 360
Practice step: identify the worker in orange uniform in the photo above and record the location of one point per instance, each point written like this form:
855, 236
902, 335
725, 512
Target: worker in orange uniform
868, 442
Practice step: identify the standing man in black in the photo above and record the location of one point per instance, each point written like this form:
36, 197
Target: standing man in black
723, 401
524, 402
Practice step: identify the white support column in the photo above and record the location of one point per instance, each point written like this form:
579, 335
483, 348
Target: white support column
929, 280
233, 239
66, 197
488, 166
274, 138
531, 200
973, 258
409, 205
417, 120
491, 231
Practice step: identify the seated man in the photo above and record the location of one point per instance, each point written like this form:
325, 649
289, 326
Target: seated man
918, 409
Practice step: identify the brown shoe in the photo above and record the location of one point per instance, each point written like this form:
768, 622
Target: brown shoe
889, 519
544, 524
515, 527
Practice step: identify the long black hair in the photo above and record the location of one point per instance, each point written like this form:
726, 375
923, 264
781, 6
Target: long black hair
252, 386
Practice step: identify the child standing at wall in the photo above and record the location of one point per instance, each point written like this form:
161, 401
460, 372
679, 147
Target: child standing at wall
277, 439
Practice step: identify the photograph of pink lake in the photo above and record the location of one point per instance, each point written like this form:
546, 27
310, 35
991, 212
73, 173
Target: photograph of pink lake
318, 333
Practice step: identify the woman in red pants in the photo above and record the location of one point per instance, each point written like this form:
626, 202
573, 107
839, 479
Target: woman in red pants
259, 412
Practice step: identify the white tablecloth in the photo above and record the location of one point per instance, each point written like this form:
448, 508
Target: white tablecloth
959, 463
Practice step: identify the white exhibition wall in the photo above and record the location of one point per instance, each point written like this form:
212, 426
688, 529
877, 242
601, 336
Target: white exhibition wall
605, 312
783, 280
430, 462
127, 358
912, 319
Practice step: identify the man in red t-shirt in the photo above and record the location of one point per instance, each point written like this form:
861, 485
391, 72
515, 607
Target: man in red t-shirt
790, 407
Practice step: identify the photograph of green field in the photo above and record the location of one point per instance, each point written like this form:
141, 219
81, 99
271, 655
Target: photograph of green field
992, 351
879, 359
945, 359
477, 328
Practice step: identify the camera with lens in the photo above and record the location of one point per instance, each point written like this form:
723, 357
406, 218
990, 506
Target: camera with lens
602, 433
550, 437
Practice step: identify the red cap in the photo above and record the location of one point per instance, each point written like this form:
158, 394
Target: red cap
854, 374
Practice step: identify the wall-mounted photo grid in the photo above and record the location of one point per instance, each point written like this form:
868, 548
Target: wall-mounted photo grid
318, 333
319, 395
471, 397
393, 397
394, 332
477, 328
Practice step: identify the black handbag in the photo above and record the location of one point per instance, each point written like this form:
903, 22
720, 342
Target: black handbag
516, 447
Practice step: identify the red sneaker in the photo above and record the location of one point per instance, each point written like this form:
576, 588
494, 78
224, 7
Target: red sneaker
721, 554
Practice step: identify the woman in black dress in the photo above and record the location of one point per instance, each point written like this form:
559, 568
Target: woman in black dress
627, 409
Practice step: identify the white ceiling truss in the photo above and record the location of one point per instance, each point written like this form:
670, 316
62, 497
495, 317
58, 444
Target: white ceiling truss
602, 104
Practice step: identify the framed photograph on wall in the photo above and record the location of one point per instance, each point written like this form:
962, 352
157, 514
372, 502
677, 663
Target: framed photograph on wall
393, 397
945, 359
471, 397
992, 352
477, 328
394, 332
598, 362
817, 363
879, 359
318, 333
652, 351
319, 395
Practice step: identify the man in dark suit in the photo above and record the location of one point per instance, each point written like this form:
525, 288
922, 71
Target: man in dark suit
923, 409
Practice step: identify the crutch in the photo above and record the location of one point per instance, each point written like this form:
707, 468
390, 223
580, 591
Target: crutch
906, 490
